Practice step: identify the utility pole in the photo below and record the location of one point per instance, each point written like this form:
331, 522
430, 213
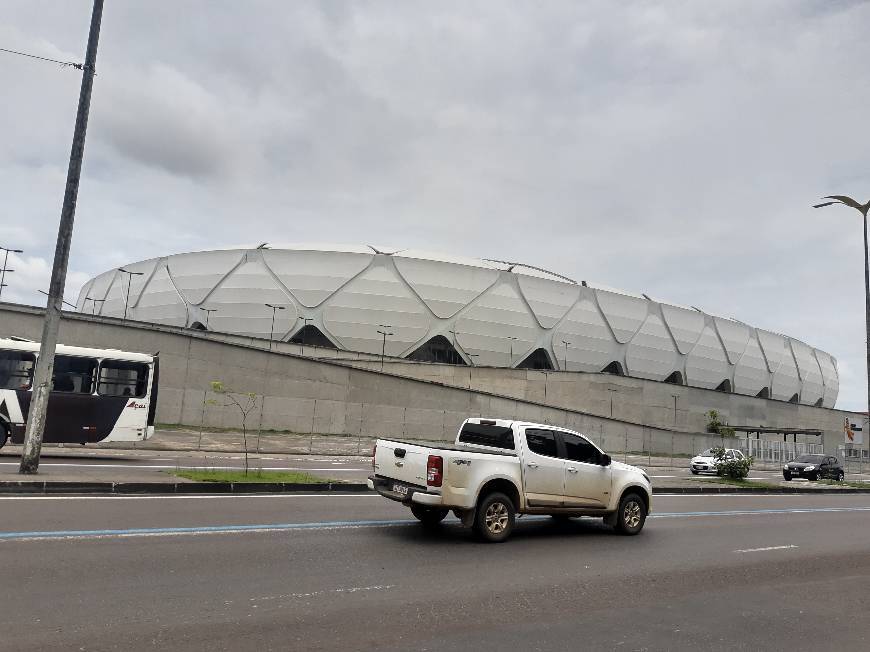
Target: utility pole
511, 359
5, 267
51, 326
566, 354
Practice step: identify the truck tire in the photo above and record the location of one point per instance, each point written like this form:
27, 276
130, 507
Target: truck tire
428, 516
494, 520
631, 514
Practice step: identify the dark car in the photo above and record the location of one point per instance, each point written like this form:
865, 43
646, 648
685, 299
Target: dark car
813, 467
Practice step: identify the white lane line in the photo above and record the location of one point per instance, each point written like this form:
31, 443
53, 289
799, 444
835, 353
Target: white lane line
164, 467
663, 476
193, 496
350, 589
788, 547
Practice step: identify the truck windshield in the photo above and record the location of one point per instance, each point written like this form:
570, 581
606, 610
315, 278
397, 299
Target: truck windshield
485, 435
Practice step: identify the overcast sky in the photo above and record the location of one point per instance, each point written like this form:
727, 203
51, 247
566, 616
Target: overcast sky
673, 148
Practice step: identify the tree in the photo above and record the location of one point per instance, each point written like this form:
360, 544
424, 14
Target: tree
245, 402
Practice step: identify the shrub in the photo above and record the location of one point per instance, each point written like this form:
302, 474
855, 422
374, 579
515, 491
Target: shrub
735, 469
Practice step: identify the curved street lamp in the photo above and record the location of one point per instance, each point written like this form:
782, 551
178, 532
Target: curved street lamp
863, 209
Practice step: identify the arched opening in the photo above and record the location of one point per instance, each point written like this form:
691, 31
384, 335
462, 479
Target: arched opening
537, 359
310, 335
724, 386
675, 378
614, 368
794, 399
818, 403
438, 349
197, 326
764, 393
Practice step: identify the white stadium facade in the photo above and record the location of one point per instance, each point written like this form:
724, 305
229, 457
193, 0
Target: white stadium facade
447, 309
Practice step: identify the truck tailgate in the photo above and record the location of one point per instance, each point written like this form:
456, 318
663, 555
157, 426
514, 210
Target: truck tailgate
401, 461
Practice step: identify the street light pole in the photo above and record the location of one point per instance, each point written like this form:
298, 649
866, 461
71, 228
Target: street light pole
863, 209
511, 359
51, 326
566, 354
66, 303
384, 345
611, 390
94, 304
129, 283
305, 321
5, 268
272, 330
208, 312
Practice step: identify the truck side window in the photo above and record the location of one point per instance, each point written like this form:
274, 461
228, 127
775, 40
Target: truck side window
579, 450
542, 442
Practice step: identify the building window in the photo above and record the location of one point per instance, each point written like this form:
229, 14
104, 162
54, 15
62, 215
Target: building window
438, 349
537, 359
675, 378
724, 386
794, 399
764, 393
614, 368
310, 335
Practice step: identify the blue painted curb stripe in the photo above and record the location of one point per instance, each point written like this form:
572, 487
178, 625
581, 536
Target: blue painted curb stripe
335, 525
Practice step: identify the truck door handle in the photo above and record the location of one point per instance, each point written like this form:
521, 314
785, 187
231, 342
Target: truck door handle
532, 465
572, 470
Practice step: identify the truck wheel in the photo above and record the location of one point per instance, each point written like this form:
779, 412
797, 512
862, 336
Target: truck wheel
428, 516
494, 520
631, 514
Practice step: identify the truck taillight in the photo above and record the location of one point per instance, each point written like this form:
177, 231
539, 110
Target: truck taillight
374, 452
434, 470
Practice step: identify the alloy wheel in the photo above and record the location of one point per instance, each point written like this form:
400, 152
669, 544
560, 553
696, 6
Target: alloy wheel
631, 515
497, 517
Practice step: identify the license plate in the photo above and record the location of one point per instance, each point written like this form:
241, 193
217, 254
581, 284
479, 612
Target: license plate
400, 489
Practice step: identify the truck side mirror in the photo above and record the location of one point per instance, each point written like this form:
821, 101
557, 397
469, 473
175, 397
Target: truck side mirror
605, 459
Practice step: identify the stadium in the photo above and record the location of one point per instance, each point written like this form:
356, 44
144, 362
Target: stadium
430, 307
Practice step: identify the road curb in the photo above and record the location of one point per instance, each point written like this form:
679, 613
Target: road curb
50, 487
729, 489
128, 488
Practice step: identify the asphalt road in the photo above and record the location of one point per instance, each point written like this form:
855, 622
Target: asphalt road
353, 573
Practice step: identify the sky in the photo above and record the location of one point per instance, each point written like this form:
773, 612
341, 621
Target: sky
672, 148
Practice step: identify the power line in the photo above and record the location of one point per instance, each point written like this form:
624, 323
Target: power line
77, 66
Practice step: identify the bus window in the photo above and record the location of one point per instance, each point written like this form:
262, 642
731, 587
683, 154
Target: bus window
123, 379
73, 374
16, 369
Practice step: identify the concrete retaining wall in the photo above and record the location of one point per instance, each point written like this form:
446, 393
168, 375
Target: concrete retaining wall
428, 401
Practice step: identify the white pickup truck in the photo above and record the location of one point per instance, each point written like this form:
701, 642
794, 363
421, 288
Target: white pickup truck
498, 468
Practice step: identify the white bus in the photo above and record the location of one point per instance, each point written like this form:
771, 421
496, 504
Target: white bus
97, 395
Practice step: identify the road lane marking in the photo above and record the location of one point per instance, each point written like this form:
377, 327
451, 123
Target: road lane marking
788, 547
349, 589
193, 496
179, 467
338, 525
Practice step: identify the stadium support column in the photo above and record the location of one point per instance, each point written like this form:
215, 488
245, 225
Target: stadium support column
45, 364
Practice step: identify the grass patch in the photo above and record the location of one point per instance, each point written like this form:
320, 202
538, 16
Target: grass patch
733, 482
254, 475
844, 483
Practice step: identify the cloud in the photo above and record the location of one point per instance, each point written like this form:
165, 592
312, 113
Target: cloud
670, 148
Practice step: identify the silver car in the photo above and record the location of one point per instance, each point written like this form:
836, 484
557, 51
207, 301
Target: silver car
706, 463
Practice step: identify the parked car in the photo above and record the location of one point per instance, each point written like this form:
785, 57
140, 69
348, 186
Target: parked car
814, 467
706, 463
498, 468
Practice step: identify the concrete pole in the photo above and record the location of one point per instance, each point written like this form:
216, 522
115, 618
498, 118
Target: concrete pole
865, 425
51, 326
